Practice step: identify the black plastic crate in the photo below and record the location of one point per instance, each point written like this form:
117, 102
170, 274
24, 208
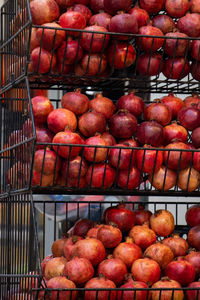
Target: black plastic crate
19, 263
17, 27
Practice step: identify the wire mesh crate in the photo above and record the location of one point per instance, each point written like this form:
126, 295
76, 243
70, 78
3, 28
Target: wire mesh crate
19, 262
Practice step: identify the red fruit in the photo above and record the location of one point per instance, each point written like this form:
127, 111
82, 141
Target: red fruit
174, 132
176, 47
192, 215
61, 282
149, 161
46, 162
196, 137
69, 246
73, 20
140, 15
69, 53
194, 237
194, 6
133, 294
190, 101
42, 107
44, 11
194, 293
102, 105
96, 154
121, 157
129, 179
114, 269
96, 5
189, 117
149, 65
101, 19
81, 227
74, 167
164, 23
74, 182
92, 232
112, 7
195, 70
177, 8
162, 222
100, 282
158, 112
152, 6
110, 140
109, 235
84, 2
176, 68
123, 124
122, 217
128, 252
123, 23
177, 244
131, 102
151, 133
50, 38
164, 179
65, 3
43, 180
142, 236
162, 294
180, 270
149, 44
196, 160
190, 24
146, 270
173, 103
94, 64
96, 42
42, 61
142, 215
67, 137
83, 9
54, 267
60, 119
194, 258
195, 49
100, 176
79, 270
177, 159
58, 247
188, 179
44, 262
76, 102
90, 248
92, 122
43, 135
121, 55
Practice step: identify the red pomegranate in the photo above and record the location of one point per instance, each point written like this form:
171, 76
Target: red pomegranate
109, 235
194, 237
142, 236
193, 291
39, 179
149, 64
61, 282
190, 24
188, 179
42, 107
129, 179
42, 61
54, 267
123, 23
72, 20
100, 282
194, 51
112, 7
121, 157
121, 55
96, 42
176, 68
149, 44
177, 8
68, 53
152, 6
142, 215
177, 47
164, 179
96, 154
192, 215
61, 118
46, 161
94, 64
177, 159
194, 6
149, 161
75, 101
166, 283
81, 227
194, 258
134, 104
43, 135
164, 23
141, 15
102, 105
122, 124
44, 11
74, 167
175, 132
162, 222
100, 176
196, 160
92, 122
69, 246
65, 3
158, 112
134, 293
150, 133
110, 140
190, 101
189, 117
96, 5
101, 19
161, 253
196, 137
83, 9
44, 262
195, 70
57, 247
92, 232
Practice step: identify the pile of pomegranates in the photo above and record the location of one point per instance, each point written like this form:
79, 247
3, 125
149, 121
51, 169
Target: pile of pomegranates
137, 251
95, 37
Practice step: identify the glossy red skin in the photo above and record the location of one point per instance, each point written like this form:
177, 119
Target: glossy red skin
128, 253
194, 258
174, 132
92, 232
117, 5
176, 68
100, 283
123, 124
73, 20
81, 227
61, 118
42, 61
44, 11
109, 235
196, 137
149, 65
177, 47
177, 244
142, 236
67, 54
189, 117
150, 44
151, 133
61, 282
181, 271
158, 112
96, 154
190, 24
195, 49
146, 270
96, 5
195, 70
164, 23
149, 161
69, 246
42, 107
192, 294
129, 180
95, 43
177, 8
94, 64
194, 6
92, 122
192, 216
123, 23
192, 100
175, 156
152, 6
165, 283
75, 101
174, 103
83, 9
54, 267
162, 222
98, 179
100, 19
140, 15
196, 161
134, 104
194, 237
110, 140
131, 142
137, 294
121, 158
46, 162
122, 217
74, 168
44, 262
164, 179
142, 216
114, 269
43, 135
121, 56
102, 105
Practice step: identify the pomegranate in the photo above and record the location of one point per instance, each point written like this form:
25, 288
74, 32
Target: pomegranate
140, 15
65, 3
74, 167
189, 117
121, 216
83, 9
162, 222
44, 262
190, 24
75, 101
129, 179
192, 215
149, 161
151, 133
96, 154
58, 247
90, 248
158, 112
175, 132
142, 236
161, 253
101, 19
114, 269
44, 11
149, 44
84, 2
42, 61
94, 64
100, 282
42, 107
96, 42
69, 53
196, 137
146, 270
73, 182
61, 282
42, 179
69, 246
152, 6
190, 101
142, 215
102, 105
166, 283
164, 23
112, 7
43, 135
180, 270
176, 68
109, 235
92, 232
177, 47
79, 270
164, 179
134, 104
67, 137
196, 160
92, 122
81, 227
73, 20
54, 267
61, 118
121, 55
177, 244
194, 237
131, 142
96, 5
122, 158
177, 159
46, 161
149, 65
122, 124
123, 23
133, 294
194, 6
188, 179
100, 176
174, 103
195, 49
177, 8
110, 140
193, 294
194, 258
195, 70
